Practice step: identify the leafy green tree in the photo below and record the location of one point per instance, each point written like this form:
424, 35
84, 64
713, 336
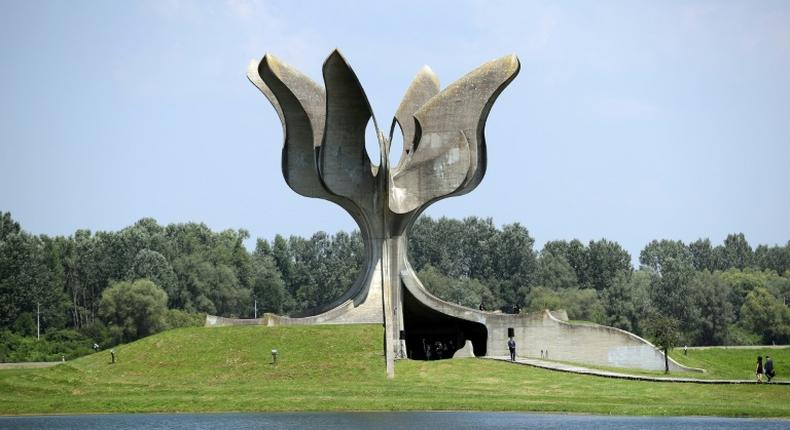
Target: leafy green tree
575, 253
136, 308
26, 281
702, 255
515, 261
176, 318
627, 301
154, 266
284, 260
605, 261
737, 252
25, 325
479, 242
580, 304
268, 288
766, 316
776, 258
671, 268
711, 297
665, 334
465, 292
7, 225
742, 282
555, 273
440, 243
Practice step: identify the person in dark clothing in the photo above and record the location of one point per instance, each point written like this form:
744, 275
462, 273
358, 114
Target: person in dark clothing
769, 368
759, 369
511, 345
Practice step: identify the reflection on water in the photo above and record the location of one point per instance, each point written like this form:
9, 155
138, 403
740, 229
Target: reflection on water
383, 420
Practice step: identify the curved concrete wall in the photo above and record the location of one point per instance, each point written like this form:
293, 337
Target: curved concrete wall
590, 344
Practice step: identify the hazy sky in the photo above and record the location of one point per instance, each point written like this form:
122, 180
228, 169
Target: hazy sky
629, 120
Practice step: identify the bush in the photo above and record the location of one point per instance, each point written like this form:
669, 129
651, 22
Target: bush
99, 334
136, 308
52, 347
175, 318
740, 336
25, 325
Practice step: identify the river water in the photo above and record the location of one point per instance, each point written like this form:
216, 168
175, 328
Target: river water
383, 420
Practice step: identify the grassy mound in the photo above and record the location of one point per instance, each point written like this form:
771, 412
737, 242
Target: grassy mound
341, 368
734, 363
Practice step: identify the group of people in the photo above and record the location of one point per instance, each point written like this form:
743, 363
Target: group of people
766, 370
438, 350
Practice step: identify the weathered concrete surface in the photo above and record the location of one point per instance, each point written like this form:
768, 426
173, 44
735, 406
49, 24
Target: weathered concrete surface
444, 155
466, 352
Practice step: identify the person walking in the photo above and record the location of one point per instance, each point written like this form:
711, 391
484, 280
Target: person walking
769, 368
759, 369
511, 345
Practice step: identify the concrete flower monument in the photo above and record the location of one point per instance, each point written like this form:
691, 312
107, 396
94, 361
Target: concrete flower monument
444, 155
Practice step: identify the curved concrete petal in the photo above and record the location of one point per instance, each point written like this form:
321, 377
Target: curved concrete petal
424, 86
464, 105
300, 103
436, 168
255, 78
344, 166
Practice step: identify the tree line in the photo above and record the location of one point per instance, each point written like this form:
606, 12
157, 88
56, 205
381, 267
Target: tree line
118, 286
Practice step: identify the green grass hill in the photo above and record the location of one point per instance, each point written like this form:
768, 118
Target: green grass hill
340, 368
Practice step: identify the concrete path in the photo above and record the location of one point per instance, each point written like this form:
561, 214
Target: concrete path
29, 365
561, 367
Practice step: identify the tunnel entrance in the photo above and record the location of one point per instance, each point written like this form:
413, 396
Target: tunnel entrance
432, 335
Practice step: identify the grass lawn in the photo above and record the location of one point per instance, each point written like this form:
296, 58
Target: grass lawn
734, 363
338, 368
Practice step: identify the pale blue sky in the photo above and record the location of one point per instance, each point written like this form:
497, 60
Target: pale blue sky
629, 120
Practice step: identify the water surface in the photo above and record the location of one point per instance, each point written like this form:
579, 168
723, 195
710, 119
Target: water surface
383, 420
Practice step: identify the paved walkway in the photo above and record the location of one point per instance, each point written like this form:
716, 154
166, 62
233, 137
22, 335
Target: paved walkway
29, 365
561, 367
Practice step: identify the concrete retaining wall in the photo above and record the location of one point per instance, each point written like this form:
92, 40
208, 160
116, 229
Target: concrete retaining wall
590, 344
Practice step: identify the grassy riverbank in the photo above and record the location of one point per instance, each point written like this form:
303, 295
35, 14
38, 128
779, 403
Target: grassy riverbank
733, 363
342, 368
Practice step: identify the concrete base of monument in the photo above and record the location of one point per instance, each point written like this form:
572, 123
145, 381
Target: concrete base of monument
436, 329
537, 334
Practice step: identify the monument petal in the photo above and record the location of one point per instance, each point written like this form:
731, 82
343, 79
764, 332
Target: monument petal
424, 86
344, 165
300, 102
464, 106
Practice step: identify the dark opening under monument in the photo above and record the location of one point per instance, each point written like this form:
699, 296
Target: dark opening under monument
444, 155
